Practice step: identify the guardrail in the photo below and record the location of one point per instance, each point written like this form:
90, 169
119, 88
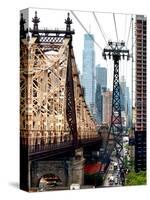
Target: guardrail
60, 145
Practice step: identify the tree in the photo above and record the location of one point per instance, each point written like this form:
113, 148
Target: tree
134, 178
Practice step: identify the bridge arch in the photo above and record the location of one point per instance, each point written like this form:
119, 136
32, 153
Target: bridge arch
49, 181
40, 170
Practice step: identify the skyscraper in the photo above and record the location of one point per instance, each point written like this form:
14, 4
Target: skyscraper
125, 101
122, 93
101, 86
101, 76
107, 107
140, 96
128, 107
98, 103
88, 70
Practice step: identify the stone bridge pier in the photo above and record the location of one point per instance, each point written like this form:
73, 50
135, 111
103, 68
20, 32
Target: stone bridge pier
69, 171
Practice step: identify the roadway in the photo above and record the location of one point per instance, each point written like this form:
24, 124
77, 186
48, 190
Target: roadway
112, 177
115, 173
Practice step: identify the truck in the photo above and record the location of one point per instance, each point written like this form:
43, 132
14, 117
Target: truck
111, 180
116, 181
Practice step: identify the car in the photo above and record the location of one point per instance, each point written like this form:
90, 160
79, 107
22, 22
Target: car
115, 165
111, 180
111, 183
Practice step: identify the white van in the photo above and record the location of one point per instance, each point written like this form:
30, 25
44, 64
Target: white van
74, 186
116, 181
111, 180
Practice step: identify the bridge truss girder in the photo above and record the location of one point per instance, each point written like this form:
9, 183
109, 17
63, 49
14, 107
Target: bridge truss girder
45, 64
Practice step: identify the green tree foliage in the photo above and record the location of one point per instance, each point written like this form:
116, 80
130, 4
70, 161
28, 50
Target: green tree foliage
134, 178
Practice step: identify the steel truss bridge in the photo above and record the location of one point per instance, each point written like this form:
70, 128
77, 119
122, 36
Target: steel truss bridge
54, 117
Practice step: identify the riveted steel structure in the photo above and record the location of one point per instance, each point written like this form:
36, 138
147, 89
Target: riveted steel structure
116, 51
53, 111
54, 117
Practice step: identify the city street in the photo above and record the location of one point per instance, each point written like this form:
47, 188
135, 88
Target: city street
112, 177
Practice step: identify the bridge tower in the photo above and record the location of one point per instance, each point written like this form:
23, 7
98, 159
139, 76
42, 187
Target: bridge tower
116, 51
70, 97
55, 122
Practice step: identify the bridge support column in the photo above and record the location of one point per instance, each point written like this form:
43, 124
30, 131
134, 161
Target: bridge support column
34, 175
76, 168
29, 174
69, 171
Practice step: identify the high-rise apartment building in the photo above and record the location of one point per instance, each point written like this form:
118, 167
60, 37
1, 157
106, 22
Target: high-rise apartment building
89, 70
140, 96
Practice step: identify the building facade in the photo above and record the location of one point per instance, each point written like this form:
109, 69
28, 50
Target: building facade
98, 104
123, 93
140, 97
101, 76
101, 86
107, 107
88, 75
125, 102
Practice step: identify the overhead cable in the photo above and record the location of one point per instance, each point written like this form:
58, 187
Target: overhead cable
100, 28
115, 26
85, 29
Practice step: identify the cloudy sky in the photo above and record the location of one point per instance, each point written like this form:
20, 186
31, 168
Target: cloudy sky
51, 19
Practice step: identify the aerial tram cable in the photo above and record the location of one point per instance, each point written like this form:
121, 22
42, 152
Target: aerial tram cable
134, 42
100, 27
125, 30
129, 32
73, 13
115, 26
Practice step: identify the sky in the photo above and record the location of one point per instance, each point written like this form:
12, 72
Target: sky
54, 19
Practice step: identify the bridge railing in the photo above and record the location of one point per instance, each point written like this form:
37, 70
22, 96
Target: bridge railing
38, 144
31, 137
48, 147
60, 145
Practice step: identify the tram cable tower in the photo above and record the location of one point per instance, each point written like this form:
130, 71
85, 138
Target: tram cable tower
116, 51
